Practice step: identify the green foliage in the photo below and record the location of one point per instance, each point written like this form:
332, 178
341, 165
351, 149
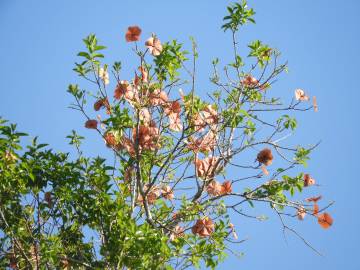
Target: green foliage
239, 14
170, 61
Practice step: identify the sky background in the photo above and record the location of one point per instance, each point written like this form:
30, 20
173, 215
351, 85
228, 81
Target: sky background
320, 39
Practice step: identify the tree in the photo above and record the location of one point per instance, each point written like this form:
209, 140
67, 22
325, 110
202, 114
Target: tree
165, 201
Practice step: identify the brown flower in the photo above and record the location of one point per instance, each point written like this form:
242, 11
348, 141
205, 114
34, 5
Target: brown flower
110, 139
313, 199
308, 181
124, 89
133, 33
316, 209
177, 232
101, 103
325, 220
226, 187
203, 227
265, 157
92, 124
48, 198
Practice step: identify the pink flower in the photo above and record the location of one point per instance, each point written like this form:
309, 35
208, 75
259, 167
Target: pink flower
124, 89
133, 33
145, 115
148, 137
158, 97
301, 213
144, 74
208, 116
203, 227
204, 144
154, 46
167, 192
300, 95
173, 107
214, 188
206, 168
175, 122
249, 81
308, 181
151, 196
177, 232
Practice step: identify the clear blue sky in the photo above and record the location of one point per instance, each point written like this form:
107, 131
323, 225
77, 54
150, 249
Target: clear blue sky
320, 39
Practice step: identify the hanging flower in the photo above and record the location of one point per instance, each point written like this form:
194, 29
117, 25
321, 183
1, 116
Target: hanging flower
148, 137
175, 122
308, 181
124, 89
206, 168
316, 108
145, 116
110, 139
316, 209
208, 116
265, 157
226, 187
151, 196
264, 170
144, 74
177, 232
325, 220
158, 97
232, 227
313, 199
104, 76
92, 124
214, 188
205, 144
126, 144
102, 103
249, 81
300, 95
203, 227
301, 213
133, 33
167, 192
154, 46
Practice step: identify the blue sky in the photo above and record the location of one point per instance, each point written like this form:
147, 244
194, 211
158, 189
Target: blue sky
320, 39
